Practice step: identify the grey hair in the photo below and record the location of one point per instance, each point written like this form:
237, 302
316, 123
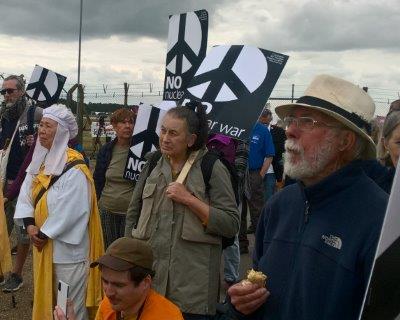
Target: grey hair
391, 122
19, 81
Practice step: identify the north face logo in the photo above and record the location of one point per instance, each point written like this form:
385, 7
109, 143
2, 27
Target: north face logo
332, 241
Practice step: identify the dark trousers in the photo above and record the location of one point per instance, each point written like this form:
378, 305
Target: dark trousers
113, 225
243, 241
256, 201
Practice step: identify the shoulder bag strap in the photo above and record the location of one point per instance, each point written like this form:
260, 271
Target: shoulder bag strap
55, 178
186, 168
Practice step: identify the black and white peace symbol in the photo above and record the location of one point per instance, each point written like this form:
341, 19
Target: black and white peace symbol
184, 42
45, 85
229, 73
144, 141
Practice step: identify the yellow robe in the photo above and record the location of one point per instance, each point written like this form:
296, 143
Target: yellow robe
43, 303
5, 254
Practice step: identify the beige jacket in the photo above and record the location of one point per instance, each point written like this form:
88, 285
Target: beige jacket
186, 254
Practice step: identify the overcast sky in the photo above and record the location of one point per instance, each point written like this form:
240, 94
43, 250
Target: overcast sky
125, 40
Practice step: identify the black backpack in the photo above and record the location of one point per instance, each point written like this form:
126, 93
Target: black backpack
207, 165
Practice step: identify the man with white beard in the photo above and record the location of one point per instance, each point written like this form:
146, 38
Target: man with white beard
316, 239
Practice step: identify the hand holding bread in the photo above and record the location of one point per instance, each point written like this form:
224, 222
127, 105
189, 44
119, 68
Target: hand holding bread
249, 294
255, 277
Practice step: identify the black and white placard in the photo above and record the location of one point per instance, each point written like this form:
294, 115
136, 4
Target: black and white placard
235, 82
187, 45
382, 299
145, 138
45, 86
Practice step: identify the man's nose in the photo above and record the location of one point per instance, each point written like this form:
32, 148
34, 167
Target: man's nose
108, 290
292, 130
166, 137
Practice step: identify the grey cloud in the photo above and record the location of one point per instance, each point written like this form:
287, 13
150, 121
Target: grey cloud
329, 26
59, 20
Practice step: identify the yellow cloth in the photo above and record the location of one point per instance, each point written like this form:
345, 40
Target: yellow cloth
43, 261
5, 254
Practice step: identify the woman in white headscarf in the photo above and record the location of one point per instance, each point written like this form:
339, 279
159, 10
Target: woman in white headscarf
57, 205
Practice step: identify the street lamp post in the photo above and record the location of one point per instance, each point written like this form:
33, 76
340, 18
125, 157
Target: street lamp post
79, 106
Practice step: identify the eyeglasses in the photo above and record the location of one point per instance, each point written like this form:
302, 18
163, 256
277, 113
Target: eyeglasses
305, 123
8, 90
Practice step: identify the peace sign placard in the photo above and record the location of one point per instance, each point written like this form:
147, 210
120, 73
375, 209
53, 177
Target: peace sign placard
45, 86
145, 139
187, 45
235, 82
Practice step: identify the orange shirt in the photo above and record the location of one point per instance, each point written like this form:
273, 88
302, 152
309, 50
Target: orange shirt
156, 307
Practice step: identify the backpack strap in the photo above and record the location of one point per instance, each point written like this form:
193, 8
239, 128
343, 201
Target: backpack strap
55, 178
30, 119
207, 165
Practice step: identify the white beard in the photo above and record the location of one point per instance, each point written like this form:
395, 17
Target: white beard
311, 165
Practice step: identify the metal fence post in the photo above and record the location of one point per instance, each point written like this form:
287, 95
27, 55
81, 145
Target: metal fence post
79, 113
126, 89
292, 92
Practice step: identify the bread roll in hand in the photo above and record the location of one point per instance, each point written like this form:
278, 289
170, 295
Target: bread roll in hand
255, 277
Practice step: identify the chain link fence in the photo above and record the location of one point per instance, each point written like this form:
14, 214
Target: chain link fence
148, 93
105, 98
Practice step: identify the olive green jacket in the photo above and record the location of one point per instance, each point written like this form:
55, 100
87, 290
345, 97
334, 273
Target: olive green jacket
186, 254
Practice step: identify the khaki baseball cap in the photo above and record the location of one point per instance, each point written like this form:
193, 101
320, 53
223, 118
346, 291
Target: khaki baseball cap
125, 253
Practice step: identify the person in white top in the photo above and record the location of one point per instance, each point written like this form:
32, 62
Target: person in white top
57, 221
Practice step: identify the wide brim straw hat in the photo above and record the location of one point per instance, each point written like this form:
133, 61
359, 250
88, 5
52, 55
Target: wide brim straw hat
341, 100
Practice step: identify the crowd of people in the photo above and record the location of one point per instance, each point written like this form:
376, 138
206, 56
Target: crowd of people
315, 186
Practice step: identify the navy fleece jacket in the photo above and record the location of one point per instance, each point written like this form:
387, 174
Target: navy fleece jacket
317, 244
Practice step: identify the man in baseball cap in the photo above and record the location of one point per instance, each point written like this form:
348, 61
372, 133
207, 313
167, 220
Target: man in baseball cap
126, 273
316, 239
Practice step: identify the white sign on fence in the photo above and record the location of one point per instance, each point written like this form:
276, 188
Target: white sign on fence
106, 131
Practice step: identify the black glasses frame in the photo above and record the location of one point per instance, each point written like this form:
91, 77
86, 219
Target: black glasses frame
7, 90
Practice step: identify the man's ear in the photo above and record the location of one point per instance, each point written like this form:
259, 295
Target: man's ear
348, 140
147, 282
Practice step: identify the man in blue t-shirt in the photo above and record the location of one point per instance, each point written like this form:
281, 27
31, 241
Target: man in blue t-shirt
260, 157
